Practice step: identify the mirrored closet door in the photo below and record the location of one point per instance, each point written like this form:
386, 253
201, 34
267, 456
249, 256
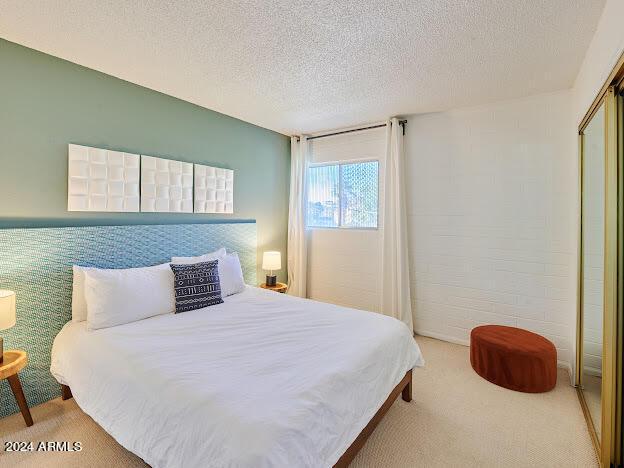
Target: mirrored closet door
592, 261
599, 331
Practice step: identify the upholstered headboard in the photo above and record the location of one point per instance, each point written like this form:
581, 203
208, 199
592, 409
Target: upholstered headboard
37, 265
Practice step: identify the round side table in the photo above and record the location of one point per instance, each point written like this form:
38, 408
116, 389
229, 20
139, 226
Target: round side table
13, 362
279, 287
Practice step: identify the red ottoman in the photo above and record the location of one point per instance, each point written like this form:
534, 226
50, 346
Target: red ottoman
514, 358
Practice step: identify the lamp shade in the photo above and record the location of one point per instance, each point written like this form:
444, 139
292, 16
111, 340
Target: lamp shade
272, 261
7, 309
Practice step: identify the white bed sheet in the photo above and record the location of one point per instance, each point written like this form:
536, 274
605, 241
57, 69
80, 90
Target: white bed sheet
262, 380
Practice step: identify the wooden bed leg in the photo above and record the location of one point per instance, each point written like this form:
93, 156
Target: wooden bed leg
66, 393
406, 394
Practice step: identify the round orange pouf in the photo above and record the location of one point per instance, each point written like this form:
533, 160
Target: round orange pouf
514, 358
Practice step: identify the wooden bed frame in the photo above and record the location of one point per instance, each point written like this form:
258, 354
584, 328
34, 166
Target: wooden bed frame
404, 388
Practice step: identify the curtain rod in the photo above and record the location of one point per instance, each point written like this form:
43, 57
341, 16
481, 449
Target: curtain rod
401, 123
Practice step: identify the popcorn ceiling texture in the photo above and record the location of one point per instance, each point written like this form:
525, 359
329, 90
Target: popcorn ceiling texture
303, 67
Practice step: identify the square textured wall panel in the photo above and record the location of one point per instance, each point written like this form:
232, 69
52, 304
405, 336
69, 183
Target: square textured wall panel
166, 185
102, 180
214, 189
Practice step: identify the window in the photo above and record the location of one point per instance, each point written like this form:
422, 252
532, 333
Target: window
343, 195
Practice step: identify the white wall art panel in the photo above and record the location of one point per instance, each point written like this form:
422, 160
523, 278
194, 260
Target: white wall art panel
214, 189
166, 185
102, 180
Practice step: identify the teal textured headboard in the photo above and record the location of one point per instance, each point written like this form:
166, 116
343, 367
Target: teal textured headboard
37, 265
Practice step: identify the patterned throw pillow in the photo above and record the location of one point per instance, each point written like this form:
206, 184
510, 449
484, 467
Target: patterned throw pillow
196, 285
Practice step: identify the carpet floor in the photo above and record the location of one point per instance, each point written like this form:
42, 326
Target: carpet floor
456, 419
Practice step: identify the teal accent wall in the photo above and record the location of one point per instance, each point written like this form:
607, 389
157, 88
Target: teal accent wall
46, 103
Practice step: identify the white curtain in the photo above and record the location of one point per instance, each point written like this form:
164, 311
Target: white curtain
297, 235
395, 288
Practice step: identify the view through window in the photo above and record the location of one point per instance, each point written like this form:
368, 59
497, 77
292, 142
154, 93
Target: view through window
343, 195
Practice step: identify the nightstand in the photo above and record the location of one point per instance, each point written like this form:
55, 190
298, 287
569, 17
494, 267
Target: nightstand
14, 361
279, 287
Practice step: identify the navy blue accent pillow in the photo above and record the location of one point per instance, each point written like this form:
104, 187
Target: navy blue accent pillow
196, 285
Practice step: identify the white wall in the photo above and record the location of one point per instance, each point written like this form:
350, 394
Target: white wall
491, 207
343, 267
602, 55
344, 264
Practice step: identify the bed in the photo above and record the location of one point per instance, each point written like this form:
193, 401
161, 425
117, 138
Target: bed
263, 379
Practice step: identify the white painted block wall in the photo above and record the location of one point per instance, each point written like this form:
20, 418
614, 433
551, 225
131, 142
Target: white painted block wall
605, 49
344, 264
343, 267
493, 203
492, 219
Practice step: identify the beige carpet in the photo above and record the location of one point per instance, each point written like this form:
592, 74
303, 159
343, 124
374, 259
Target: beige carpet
456, 419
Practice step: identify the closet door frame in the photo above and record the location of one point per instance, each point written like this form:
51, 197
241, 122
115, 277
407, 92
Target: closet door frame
609, 448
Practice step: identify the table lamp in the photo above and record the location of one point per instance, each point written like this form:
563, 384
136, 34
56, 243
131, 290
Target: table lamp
7, 314
271, 261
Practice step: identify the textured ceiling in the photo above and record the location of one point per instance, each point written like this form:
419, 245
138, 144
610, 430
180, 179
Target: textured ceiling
304, 66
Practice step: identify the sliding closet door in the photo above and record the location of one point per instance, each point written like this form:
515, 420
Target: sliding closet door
618, 456
592, 271
599, 345
611, 253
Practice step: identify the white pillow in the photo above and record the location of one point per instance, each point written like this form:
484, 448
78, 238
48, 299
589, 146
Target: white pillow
217, 254
119, 296
79, 304
230, 273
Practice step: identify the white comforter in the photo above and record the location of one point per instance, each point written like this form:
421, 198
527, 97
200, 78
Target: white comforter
261, 380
